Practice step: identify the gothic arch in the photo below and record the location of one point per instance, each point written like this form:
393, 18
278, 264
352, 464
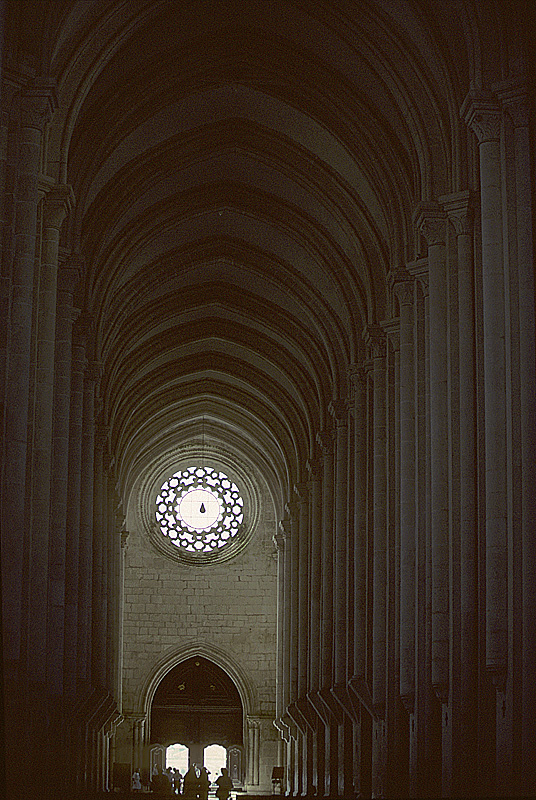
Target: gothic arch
188, 650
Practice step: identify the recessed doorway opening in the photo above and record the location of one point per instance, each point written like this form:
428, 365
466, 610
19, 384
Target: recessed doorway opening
214, 758
177, 757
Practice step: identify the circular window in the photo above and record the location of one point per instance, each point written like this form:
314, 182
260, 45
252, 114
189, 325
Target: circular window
199, 509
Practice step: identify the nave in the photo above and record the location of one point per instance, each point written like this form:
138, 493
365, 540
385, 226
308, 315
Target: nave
267, 380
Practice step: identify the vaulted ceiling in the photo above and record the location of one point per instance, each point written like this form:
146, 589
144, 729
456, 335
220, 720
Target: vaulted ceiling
245, 176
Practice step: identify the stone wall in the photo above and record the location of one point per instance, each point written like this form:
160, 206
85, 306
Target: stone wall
227, 608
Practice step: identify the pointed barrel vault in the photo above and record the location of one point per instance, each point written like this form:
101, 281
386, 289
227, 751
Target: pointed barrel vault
284, 247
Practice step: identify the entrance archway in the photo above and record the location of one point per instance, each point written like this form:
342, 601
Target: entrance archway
196, 703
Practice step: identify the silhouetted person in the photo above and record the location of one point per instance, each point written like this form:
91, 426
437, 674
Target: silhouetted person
203, 785
225, 784
190, 784
177, 783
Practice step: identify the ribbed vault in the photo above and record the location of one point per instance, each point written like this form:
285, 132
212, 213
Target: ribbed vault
252, 184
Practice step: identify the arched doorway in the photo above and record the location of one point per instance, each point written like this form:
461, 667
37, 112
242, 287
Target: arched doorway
198, 705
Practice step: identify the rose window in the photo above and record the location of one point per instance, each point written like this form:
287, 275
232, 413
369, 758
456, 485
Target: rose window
199, 509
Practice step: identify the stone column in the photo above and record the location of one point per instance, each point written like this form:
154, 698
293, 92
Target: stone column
315, 582
293, 550
69, 276
317, 744
431, 222
279, 541
325, 441
284, 529
404, 290
72, 544
515, 98
99, 653
36, 106
124, 535
339, 411
85, 573
137, 721
359, 410
302, 492
255, 727
56, 205
459, 213
482, 114
376, 339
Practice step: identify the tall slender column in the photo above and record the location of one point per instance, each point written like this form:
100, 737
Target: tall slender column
377, 340
315, 740
292, 511
279, 541
325, 440
515, 97
55, 206
72, 545
98, 583
431, 221
458, 209
482, 114
85, 574
284, 531
124, 535
69, 276
425, 754
302, 492
359, 411
315, 488
404, 290
339, 411
37, 105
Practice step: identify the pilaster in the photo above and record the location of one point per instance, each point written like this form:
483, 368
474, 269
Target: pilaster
482, 114
431, 221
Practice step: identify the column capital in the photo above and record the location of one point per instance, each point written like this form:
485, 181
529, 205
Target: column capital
102, 432
94, 370
431, 221
37, 104
419, 269
458, 208
58, 202
83, 328
291, 507
514, 95
284, 529
301, 490
402, 284
279, 542
392, 329
374, 336
339, 411
357, 373
482, 114
313, 466
69, 275
324, 439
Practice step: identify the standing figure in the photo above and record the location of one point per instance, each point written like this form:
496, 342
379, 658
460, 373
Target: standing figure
190, 784
204, 784
136, 782
225, 784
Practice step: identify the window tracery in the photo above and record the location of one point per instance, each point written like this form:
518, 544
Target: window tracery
199, 509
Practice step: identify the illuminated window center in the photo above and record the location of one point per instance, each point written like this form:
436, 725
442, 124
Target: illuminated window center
199, 509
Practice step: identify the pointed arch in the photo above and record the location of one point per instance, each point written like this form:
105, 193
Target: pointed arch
189, 650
